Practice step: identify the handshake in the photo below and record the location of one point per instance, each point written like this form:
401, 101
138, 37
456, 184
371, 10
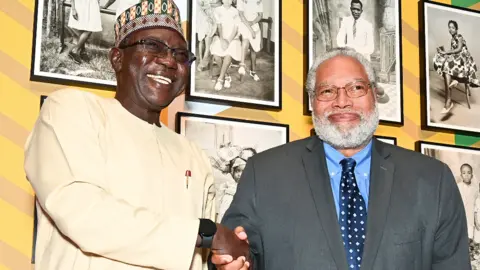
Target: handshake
230, 249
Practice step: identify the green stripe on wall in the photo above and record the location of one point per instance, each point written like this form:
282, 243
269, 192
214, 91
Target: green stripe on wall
465, 140
464, 3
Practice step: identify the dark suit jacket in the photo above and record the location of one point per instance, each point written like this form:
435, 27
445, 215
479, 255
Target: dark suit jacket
416, 219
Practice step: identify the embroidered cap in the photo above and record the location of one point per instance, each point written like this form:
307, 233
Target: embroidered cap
133, 15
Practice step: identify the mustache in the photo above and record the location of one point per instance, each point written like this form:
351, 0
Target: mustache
329, 113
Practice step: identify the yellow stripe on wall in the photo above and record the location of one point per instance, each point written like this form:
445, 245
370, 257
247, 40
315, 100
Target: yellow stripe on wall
28, 4
11, 226
293, 115
293, 58
3, 267
15, 106
292, 14
410, 57
12, 258
13, 155
19, 39
410, 13
412, 112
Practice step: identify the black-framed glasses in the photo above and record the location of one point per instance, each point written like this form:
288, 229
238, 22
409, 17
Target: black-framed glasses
160, 49
355, 89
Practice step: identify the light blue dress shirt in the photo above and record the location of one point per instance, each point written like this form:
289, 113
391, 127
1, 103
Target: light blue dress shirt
362, 171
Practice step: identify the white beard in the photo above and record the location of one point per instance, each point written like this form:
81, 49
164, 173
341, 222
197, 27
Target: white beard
347, 137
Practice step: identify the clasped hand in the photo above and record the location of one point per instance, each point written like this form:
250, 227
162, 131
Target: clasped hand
231, 250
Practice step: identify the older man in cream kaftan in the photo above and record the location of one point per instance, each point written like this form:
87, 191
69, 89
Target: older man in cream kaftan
111, 188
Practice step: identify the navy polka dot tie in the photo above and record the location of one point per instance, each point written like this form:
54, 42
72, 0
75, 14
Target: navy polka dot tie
353, 215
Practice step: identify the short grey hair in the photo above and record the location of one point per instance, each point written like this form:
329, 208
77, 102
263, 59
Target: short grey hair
341, 51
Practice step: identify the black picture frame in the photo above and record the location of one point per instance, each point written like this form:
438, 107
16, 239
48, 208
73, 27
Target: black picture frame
35, 228
271, 45
420, 143
384, 55
50, 61
387, 139
180, 115
432, 84
227, 141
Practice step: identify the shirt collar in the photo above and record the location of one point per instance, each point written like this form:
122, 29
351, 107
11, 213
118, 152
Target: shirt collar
334, 157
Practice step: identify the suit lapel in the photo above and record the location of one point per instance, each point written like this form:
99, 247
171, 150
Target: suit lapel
319, 181
381, 181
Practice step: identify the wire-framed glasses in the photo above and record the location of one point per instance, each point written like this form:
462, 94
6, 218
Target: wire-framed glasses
160, 49
355, 89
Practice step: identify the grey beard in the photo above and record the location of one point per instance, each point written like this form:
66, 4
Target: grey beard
343, 137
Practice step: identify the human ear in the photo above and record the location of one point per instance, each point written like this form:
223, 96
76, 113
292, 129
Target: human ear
116, 58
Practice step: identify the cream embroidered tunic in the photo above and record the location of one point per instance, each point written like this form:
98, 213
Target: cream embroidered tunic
112, 188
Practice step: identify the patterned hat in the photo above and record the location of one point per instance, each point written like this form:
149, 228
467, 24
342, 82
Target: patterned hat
133, 15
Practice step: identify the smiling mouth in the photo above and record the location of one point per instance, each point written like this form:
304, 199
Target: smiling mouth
160, 79
343, 117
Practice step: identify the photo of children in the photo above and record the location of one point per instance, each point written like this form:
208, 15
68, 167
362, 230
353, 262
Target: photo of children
229, 143
464, 163
230, 161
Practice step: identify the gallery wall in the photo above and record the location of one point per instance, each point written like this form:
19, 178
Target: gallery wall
20, 97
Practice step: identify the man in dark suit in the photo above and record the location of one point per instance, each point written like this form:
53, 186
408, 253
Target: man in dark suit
342, 199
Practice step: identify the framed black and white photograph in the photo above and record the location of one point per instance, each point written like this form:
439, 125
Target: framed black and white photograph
465, 165
72, 39
450, 51
238, 49
387, 139
71, 42
371, 27
229, 143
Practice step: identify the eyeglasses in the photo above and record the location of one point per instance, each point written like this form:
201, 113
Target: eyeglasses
354, 89
160, 49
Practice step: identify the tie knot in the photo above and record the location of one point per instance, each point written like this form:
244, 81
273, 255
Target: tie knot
348, 164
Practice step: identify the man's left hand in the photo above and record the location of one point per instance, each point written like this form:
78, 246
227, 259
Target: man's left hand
225, 261
226, 242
